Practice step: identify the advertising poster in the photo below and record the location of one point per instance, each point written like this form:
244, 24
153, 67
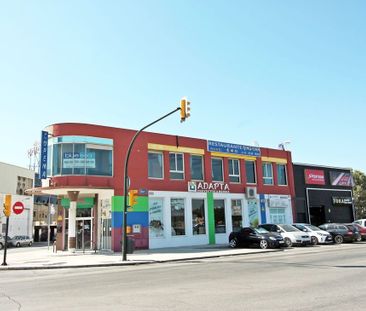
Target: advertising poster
156, 223
253, 213
341, 179
77, 160
314, 177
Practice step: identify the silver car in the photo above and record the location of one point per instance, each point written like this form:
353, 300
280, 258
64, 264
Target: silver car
2, 242
21, 240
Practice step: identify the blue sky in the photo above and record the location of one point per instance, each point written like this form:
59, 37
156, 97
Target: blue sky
264, 71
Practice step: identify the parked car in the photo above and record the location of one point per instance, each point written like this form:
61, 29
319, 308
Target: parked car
255, 236
361, 222
290, 234
2, 242
21, 240
355, 230
361, 230
340, 232
317, 235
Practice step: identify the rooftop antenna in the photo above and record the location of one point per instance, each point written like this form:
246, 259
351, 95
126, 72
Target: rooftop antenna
283, 145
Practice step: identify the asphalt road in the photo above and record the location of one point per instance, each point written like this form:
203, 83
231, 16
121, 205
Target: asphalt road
311, 278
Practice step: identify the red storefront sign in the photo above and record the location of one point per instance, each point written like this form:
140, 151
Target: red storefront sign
314, 177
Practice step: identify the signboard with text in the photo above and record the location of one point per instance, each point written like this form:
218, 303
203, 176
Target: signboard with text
217, 146
78, 160
341, 179
44, 151
314, 177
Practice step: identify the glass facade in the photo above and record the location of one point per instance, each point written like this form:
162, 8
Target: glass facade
80, 155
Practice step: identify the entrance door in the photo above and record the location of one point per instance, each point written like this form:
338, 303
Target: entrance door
84, 234
106, 240
317, 215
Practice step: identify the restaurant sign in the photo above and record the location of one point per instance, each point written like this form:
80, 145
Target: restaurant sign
200, 186
342, 200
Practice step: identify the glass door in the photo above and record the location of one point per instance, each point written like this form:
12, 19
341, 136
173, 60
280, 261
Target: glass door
84, 234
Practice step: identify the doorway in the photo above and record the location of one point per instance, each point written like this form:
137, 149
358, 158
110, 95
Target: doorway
317, 215
84, 233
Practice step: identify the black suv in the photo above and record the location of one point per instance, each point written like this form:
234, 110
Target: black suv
340, 233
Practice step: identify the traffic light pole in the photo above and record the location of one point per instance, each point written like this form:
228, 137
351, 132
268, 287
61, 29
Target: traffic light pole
6, 241
124, 225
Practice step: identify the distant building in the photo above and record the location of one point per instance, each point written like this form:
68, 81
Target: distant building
15, 180
190, 191
323, 194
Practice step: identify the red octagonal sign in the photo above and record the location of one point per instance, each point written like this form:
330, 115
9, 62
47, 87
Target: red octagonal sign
18, 207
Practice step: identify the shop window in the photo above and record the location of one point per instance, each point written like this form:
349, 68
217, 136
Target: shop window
217, 169
250, 172
219, 213
234, 170
177, 217
155, 165
277, 215
196, 167
98, 161
236, 215
198, 216
156, 218
281, 174
176, 165
267, 174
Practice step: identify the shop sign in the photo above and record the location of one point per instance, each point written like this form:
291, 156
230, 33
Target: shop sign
342, 200
278, 201
78, 160
201, 186
44, 151
314, 177
217, 146
341, 179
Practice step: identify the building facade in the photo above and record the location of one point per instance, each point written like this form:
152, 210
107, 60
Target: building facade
15, 181
323, 194
190, 191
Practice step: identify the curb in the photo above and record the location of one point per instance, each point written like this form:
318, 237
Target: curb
134, 263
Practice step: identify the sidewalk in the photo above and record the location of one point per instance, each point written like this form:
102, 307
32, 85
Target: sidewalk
42, 258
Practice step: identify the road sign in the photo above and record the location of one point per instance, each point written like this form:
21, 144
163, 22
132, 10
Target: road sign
18, 207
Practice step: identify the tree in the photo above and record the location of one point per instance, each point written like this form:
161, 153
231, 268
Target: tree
359, 194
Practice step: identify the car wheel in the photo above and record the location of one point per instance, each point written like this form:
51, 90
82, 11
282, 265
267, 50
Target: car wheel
1, 245
263, 244
17, 245
338, 239
314, 240
233, 243
288, 242
30, 244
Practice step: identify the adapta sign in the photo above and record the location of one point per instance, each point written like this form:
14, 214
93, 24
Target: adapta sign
18, 207
201, 186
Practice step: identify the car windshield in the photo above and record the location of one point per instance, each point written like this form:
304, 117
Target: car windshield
289, 228
260, 230
313, 228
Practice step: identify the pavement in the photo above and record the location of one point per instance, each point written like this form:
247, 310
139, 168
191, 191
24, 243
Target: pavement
42, 257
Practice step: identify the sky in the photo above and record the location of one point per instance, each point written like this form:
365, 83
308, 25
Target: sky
256, 72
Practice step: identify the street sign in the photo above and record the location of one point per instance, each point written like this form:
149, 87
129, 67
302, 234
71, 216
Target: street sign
18, 207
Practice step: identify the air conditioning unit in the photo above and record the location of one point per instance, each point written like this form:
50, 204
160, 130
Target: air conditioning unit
251, 193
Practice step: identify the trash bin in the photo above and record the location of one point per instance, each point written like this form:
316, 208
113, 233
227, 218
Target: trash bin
130, 245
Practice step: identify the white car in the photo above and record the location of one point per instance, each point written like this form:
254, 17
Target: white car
361, 222
290, 234
317, 235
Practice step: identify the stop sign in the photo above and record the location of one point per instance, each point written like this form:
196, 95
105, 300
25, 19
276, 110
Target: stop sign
18, 207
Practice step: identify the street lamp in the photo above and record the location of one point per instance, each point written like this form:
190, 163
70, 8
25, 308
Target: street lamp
184, 113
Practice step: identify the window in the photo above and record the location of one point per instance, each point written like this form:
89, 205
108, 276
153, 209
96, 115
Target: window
219, 213
80, 155
156, 218
198, 216
281, 174
267, 174
236, 215
176, 166
177, 216
250, 172
196, 167
277, 215
217, 173
155, 165
234, 170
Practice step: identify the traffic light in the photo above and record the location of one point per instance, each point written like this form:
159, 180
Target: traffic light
132, 197
184, 109
7, 205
